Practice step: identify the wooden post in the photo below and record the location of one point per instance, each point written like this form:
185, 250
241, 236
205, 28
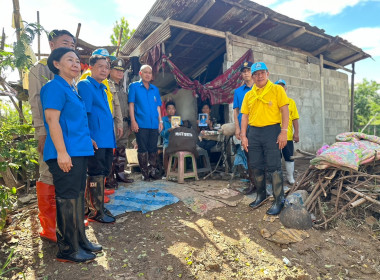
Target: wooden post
2, 44
77, 34
352, 97
119, 41
39, 36
322, 99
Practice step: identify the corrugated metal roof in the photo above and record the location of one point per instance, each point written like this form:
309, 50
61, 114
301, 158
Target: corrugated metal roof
240, 17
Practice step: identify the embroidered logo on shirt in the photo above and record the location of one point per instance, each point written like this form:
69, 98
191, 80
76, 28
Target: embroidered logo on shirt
155, 99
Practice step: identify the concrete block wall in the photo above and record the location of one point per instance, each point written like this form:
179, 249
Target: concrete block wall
337, 109
304, 86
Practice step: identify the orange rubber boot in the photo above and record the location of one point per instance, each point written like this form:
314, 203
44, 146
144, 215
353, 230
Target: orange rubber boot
47, 210
108, 191
106, 199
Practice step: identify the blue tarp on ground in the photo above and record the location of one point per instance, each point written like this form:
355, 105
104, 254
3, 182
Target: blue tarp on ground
140, 196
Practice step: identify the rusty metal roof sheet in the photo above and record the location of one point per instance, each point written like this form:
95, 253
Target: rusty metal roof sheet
240, 17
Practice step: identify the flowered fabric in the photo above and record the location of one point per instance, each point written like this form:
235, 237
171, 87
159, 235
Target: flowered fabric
351, 150
221, 89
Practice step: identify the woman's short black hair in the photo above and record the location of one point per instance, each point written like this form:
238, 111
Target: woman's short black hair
169, 103
56, 55
206, 103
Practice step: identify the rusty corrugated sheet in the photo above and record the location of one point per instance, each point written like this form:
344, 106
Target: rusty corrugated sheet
235, 16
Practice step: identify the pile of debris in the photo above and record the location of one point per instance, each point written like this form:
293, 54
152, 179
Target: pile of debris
342, 189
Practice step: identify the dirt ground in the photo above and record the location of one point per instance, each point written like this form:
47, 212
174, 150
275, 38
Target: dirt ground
176, 243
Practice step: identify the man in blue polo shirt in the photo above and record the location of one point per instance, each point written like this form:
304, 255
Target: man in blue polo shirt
102, 134
239, 95
145, 113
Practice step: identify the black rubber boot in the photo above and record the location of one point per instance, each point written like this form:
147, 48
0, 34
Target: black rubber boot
95, 189
278, 193
83, 241
119, 166
251, 188
260, 183
67, 232
154, 173
143, 163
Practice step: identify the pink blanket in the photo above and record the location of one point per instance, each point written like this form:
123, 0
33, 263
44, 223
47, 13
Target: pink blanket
351, 150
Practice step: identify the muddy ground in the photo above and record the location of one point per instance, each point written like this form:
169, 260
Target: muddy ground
176, 243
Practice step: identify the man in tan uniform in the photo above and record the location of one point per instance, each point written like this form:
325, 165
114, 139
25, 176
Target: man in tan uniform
39, 75
121, 117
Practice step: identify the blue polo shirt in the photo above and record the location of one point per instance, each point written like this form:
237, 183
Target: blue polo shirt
165, 133
100, 118
59, 95
146, 102
238, 99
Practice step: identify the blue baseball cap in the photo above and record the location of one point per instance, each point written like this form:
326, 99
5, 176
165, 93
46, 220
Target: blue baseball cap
258, 66
280, 82
103, 52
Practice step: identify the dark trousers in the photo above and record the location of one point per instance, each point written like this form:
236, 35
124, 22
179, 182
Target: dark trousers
263, 151
288, 151
147, 140
207, 144
101, 162
68, 185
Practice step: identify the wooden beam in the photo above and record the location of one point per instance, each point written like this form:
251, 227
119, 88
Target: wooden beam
264, 18
332, 64
325, 47
201, 12
351, 59
197, 29
322, 98
247, 24
352, 97
292, 36
119, 41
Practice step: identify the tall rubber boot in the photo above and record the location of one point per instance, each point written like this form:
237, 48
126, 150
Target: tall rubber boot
260, 183
67, 233
289, 165
47, 209
250, 189
120, 160
83, 241
95, 189
143, 163
278, 193
153, 171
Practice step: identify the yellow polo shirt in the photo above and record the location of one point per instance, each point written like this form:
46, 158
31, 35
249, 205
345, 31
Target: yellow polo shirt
262, 105
105, 82
293, 115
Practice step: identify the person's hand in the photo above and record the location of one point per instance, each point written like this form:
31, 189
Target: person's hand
197, 122
41, 144
296, 137
237, 133
119, 132
282, 139
160, 127
94, 144
64, 162
134, 126
244, 142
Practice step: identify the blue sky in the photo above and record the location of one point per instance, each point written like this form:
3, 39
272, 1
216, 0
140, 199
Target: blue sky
357, 21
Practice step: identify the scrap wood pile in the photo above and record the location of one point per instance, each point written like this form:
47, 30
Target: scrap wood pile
346, 175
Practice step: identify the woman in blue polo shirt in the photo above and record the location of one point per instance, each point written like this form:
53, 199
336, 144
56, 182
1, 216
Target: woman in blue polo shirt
67, 147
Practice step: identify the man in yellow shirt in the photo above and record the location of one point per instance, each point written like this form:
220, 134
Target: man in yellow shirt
264, 107
288, 150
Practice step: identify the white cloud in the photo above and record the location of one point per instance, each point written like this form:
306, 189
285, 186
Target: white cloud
302, 9
134, 11
367, 38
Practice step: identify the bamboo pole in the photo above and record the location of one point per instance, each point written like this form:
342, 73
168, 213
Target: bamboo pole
119, 41
38, 36
77, 34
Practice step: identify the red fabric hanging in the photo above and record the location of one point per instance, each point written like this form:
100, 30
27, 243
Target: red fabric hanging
221, 89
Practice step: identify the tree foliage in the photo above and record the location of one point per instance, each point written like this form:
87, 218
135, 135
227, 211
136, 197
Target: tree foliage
127, 32
367, 103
